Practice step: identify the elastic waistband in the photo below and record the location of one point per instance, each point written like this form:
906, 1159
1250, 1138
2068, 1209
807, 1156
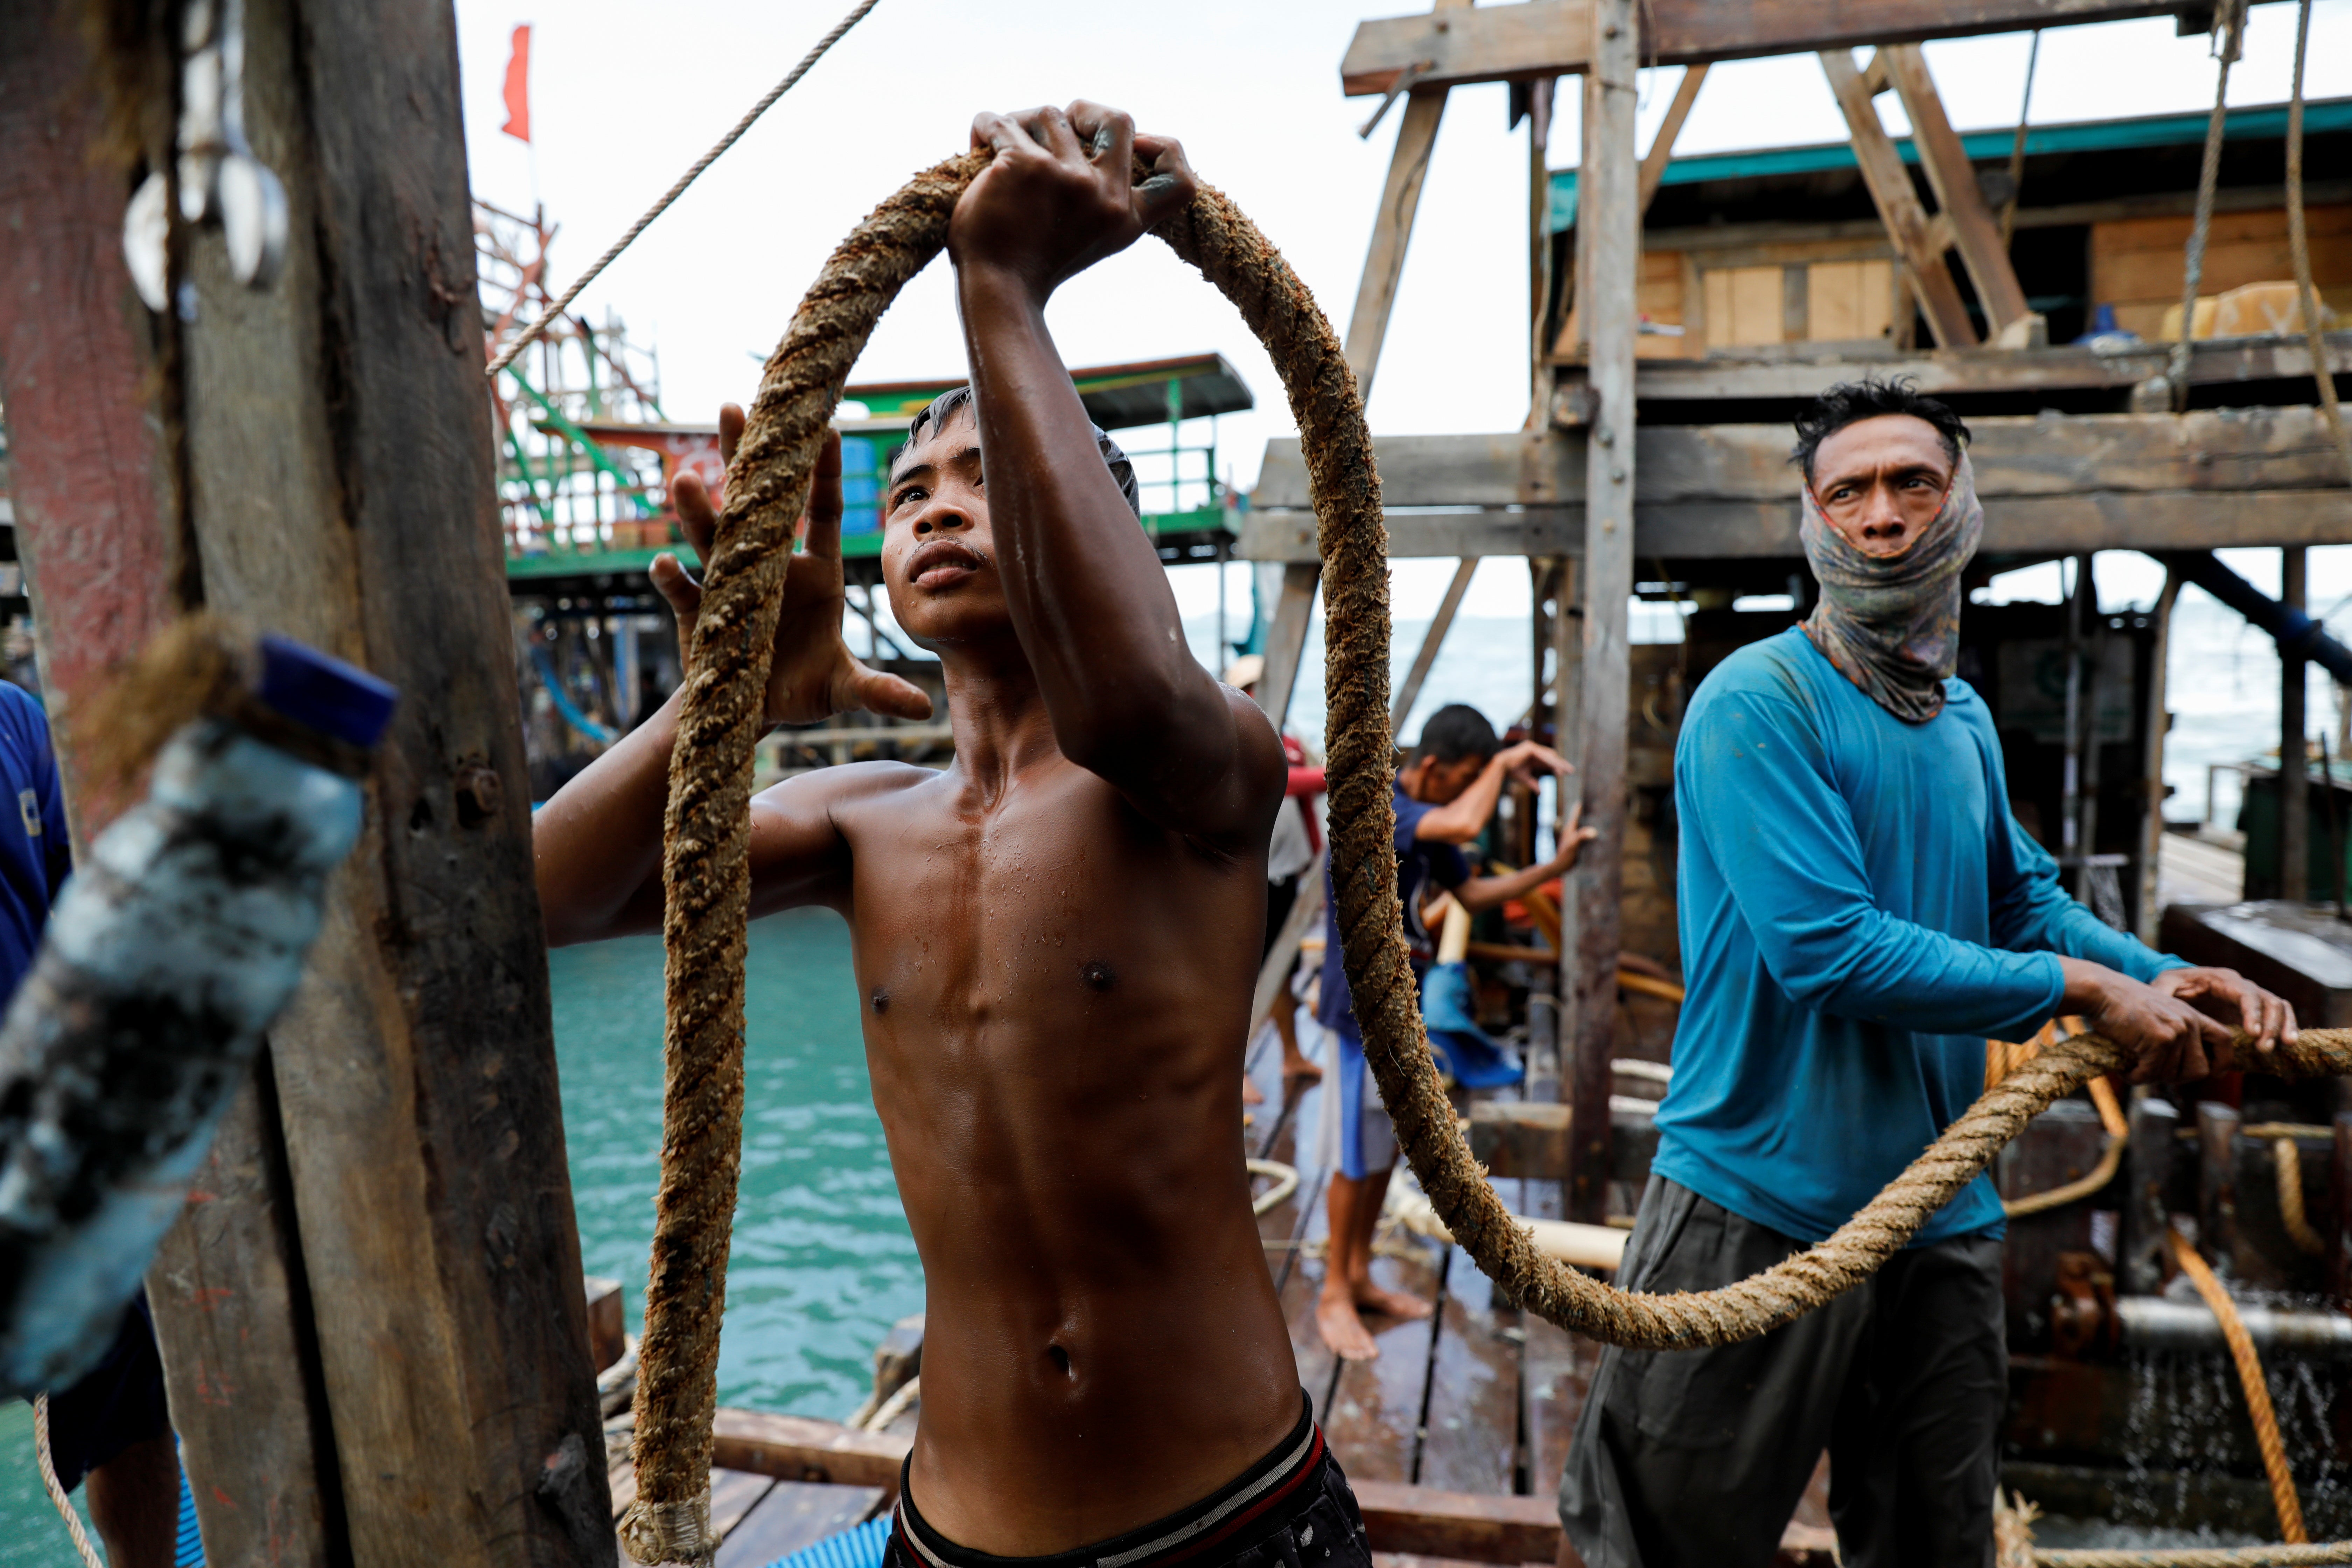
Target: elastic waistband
1190, 1531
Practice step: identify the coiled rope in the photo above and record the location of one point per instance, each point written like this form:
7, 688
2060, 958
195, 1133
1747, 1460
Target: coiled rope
706, 877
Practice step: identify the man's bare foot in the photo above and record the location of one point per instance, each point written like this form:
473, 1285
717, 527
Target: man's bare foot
1298, 1070
1342, 1330
1390, 1303
1250, 1093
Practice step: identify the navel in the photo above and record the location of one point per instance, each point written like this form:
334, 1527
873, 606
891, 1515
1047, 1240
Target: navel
1098, 975
880, 999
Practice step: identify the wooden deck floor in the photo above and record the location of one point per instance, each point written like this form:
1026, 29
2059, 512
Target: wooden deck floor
1480, 1398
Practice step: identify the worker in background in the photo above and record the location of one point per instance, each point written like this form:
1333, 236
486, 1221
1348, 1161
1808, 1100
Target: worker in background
112, 1427
1444, 797
1298, 842
1858, 911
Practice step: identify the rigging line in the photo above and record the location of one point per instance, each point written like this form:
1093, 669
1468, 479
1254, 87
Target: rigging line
2229, 33
530, 334
2299, 245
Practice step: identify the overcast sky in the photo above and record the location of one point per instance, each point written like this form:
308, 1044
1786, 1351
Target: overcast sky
623, 97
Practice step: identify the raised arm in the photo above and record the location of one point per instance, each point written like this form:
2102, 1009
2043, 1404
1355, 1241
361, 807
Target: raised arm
1088, 597
597, 845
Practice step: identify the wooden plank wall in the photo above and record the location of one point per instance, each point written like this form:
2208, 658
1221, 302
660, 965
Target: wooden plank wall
2135, 263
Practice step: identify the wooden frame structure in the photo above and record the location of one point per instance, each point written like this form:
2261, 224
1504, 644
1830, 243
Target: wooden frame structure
1583, 490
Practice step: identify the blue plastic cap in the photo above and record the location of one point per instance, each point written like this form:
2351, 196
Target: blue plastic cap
324, 693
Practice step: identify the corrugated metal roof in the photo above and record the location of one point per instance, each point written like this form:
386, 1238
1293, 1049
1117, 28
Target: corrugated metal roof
2265, 121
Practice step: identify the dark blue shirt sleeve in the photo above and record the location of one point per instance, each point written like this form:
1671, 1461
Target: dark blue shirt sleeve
1757, 789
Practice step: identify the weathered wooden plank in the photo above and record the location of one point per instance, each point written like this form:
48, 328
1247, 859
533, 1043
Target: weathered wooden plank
98, 526
1976, 232
802, 1448
2049, 456
1471, 1439
1662, 146
1469, 1526
2040, 527
793, 1515
733, 1494
1556, 1371
1286, 642
1553, 38
1431, 641
416, 1069
2057, 483
1375, 1412
1920, 244
1610, 211
1802, 370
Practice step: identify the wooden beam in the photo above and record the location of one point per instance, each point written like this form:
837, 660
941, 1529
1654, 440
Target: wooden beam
1285, 641
1662, 148
98, 526
800, 1448
1898, 205
1609, 209
1553, 38
416, 1069
1975, 231
1486, 1526
1794, 376
2100, 481
1431, 641
1367, 329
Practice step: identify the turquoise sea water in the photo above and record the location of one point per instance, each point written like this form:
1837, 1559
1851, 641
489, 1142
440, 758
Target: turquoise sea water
822, 1262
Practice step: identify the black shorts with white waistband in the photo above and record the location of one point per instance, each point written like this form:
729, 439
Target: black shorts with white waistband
1290, 1510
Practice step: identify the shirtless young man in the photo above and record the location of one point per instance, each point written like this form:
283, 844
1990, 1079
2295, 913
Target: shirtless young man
1054, 939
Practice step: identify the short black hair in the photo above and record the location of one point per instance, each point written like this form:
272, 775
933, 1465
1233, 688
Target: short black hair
1455, 732
943, 408
1851, 402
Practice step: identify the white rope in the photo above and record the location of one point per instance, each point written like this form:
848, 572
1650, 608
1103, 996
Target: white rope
554, 312
57, 1493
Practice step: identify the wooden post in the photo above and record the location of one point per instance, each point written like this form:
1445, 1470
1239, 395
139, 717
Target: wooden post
1285, 641
333, 435
1539, 105
1368, 328
1976, 232
1915, 239
97, 525
2294, 797
2157, 720
1410, 693
1609, 209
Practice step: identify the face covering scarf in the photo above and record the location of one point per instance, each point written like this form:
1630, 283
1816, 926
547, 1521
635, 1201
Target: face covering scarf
1892, 624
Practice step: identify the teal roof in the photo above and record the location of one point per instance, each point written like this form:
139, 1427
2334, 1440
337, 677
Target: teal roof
1983, 146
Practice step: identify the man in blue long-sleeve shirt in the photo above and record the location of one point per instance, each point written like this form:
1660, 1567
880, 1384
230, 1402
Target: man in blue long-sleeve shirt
1858, 911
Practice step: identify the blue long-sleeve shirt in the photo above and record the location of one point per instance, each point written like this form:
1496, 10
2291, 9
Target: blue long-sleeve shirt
1859, 910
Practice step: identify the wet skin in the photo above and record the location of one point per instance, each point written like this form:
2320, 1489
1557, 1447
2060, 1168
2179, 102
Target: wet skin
1055, 939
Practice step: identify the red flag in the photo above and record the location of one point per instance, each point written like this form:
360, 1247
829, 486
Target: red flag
518, 124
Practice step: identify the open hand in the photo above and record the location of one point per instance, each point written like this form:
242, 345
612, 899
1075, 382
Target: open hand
1522, 759
812, 674
1060, 193
2225, 992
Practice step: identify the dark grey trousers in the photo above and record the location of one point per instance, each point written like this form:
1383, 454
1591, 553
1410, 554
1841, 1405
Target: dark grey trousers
1696, 1458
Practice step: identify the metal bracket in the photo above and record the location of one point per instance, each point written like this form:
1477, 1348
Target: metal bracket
220, 179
